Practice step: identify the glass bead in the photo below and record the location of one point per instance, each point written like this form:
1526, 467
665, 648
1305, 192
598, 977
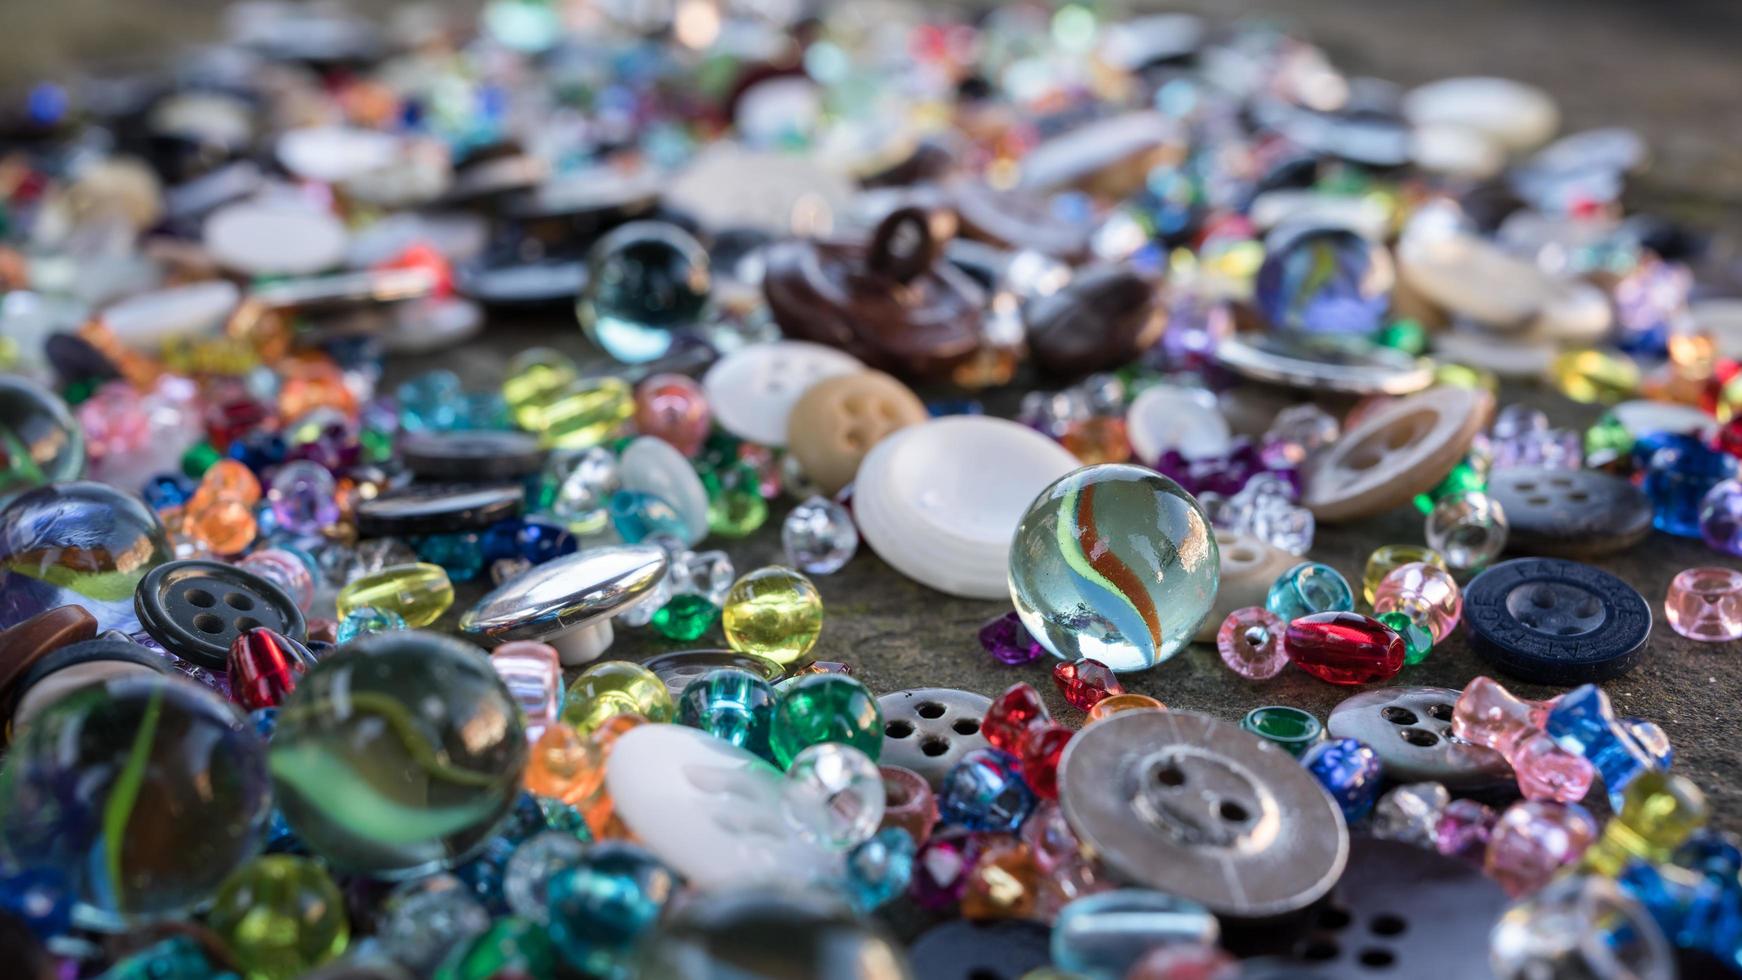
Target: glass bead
1344, 648
1250, 642
878, 870
1085, 682
1011, 715
367, 621
1105, 935
1417, 641
432, 401
736, 506
673, 407
1463, 829
773, 612
1042, 748
941, 869
532, 540
732, 705
685, 618
582, 485
1534, 839
1097, 439
1426, 594
1593, 376
508, 947
533, 674
1009, 642
280, 917
1488, 715
1290, 727
908, 802
1721, 517
1677, 479
1108, 707
1659, 812
292, 571
303, 497
1579, 926
825, 708
638, 516
704, 573
418, 593
603, 905
985, 792
647, 281
1583, 721
1705, 604
1324, 279
263, 667
1003, 883
1411, 813
585, 413
1308, 588
1469, 530
833, 795
819, 537
459, 554
1298, 432
538, 859
1464, 478
1348, 770
176, 958
1114, 563
41, 441
535, 377
615, 687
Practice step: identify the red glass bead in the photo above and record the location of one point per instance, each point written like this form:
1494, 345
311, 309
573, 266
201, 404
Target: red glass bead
1011, 716
263, 669
1085, 682
1041, 751
1345, 648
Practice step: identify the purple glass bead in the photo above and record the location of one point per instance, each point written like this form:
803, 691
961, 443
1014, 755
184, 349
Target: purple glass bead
1721, 517
1009, 642
1195, 326
941, 869
1226, 474
1463, 830
302, 497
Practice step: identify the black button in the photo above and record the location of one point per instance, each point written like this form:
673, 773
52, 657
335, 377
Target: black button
1570, 513
471, 455
437, 508
1002, 949
196, 609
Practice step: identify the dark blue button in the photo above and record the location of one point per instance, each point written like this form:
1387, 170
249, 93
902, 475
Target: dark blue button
1553, 621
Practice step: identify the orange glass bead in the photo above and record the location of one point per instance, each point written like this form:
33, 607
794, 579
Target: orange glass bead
1098, 440
224, 527
1005, 883
564, 766
227, 480
1108, 707
310, 384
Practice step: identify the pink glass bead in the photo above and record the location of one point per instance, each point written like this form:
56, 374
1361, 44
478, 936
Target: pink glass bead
1489, 715
302, 497
908, 803
1050, 838
1427, 594
1463, 830
1010, 717
1184, 961
1250, 642
1344, 648
285, 570
1085, 682
941, 869
1534, 839
672, 407
113, 421
534, 677
1706, 604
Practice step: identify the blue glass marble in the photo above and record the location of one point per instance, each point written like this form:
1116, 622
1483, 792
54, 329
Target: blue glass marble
600, 907
985, 791
1349, 770
878, 870
41, 896
460, 554
537, 541
1677, 480
732, 705
166, 490
85, 544
638, 516
1307, 588
1324, 280
1583, 721
433, 401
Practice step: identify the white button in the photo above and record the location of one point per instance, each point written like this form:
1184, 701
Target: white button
147, 320
1516, 115
1473, 277
1642, 417
652, 465
751, 391
710, 810
1172, 417
266, 238
331, 154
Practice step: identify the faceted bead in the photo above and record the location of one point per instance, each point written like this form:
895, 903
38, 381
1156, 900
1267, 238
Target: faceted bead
538, 859
640, 516
1105, 935
432, 401
773, 612
533, 674
1009, 642
1309, 588
686, 618
825, 708
819, 537
1290, 727
1660, 811
509, 946
418, 593
1463, 829
1706, 604
1582, 925
1533, 840
303, 497
1348, 770
222, 526
367, 621
1411, 813
878, 871
985, 792
564, 765
1345, 648
1041, 751
833, 795
580, 486
1583, 721
1298, 432
1417, 641
263, 668
732, 705
908, 802
672, 407
1004, 883
1098, 439
941, 869
1110, 706
1677, 479
615, 687
601, 907
705, 573
1011, 715
460, 554
1468, 529
1721, 516
1085, 682
1250, 642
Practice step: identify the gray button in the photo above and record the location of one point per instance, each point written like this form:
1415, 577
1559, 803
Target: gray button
1569, 513
1411, 730
929, 729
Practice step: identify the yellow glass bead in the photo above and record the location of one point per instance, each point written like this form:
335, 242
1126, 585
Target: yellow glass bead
1388, 557
1659, 811
1109, 706
534, 378
615, 687
773, 612
419, 592
1595, 376
586, 413
1463, 376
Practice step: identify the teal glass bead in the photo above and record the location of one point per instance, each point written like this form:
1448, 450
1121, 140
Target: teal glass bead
600, 907
1114, 563
639, 516
732, 705
433, 401
1287, 726
175, 958
1106, 934
825, 708
460, 554
367, 621
1307, 588
878, 870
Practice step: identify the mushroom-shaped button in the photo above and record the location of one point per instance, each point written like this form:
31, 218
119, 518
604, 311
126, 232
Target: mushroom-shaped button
568, 602
890, 302
1098, 322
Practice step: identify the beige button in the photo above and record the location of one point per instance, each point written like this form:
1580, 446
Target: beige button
837, 421
1249, 566
1397, 451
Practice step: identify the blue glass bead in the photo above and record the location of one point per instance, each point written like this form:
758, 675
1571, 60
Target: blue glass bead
732, 705
600, 907
432, 401
527, 818
940, 407
1324, 279
1646, 445
536, 541
638, 516
259, 450
1652, 738
1348, 770
1584, 722
483, 874
1104, 935
878, 870
166, 490
1308, 588
367, 621
985, 791
460, 554
485, 410
41, 896
1677, 480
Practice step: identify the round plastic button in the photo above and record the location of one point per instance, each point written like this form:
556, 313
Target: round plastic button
503, 282
1517, 115
652, 465
1411, 730
267, 238
1554, 621
463, 455
1570, 513
195, 609
568, 602
1192, 805
998, 949
753, 389
147, 320
838, 420
929, 729
437, 508
1167, 417
1394, 453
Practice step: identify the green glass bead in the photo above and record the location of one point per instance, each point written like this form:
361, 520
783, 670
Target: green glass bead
1405, 335
1659, 811
1289, 727
377, 445
1464, 478
1417, 641
418, 592
735, 504
773, 612
511, 947
199, 458
281, 916
686, 618
615, 687
77, 392
1607, 441
825, 708
1388, 558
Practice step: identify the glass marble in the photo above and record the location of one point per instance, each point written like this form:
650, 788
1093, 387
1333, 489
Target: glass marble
539, 858
615, 687
1468, 529
1105, 935
1350, 771
825, 708
367, 621
646, 282
672, 407
535, 378
40, 442
833, 795
1250, 643
1411, 813
1705, 604
732, 705
83, 544
1084, 683
1721, 517
1115, 563
1307, 588
985, 792
819, 537
280, 916
418, 593
601, 906
908, 802
773, 612
585, 413
1677, 479
1533, 840
1290, 727
145, 792
1324, 279
398, 754
1426, 593
533, 674
878, 870
1386, 558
